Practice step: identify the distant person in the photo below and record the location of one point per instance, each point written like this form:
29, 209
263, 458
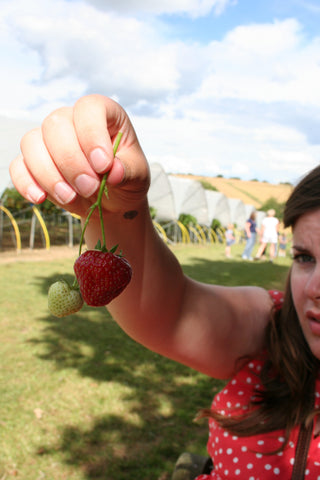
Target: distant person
269, 235
251, 235
283, 241
230, 239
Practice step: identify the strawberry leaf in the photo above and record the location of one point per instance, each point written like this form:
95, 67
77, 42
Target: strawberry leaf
114, 248
98, 245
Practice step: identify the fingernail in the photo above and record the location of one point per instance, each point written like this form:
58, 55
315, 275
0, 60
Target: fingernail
35, 194
64, 193
99, 159
86, 185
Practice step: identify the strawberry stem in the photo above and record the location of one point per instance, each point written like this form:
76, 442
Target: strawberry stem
102, 189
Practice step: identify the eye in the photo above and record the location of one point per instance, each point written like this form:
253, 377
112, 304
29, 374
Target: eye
303, 258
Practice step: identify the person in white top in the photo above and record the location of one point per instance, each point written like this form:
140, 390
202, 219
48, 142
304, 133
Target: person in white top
269, 234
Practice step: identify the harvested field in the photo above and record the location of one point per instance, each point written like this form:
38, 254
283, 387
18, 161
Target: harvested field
251, 192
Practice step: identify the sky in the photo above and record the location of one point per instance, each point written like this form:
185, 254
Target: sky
213, 87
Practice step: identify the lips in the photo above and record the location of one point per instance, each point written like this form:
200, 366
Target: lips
314, 322
313, 315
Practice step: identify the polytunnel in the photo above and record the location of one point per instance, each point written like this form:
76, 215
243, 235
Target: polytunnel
190, 198
260, 217
237, 212
160, 194
171, 196
218, 207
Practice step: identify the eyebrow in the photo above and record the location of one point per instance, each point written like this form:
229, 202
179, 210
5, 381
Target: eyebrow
300, 248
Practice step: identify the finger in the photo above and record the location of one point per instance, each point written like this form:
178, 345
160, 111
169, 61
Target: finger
24, 183
97, 121
90, 122
62, 144
42, 170
117, 172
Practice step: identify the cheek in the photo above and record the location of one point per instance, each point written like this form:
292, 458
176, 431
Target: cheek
297, 283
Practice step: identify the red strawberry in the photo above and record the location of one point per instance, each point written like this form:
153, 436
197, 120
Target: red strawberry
102, 276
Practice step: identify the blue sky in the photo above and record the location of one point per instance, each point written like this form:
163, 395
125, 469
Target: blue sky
213, 87
243, 12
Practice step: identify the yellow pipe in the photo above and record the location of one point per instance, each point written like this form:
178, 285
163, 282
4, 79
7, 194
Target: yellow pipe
202, 234
160, 230
222, 231
184, 232
209, 235
15, 226
214, 236
192, 229
43, 226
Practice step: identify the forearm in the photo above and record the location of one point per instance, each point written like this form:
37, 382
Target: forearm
149, 307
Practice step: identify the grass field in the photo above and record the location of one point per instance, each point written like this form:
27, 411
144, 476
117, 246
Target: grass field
81, 401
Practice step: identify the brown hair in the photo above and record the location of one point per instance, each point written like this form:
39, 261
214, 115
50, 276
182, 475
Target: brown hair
290, 370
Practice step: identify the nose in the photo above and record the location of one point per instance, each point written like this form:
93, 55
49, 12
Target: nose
312, 285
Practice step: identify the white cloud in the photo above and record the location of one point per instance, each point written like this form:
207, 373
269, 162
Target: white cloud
264, 63
313, 7
105, 52
248, 103
193, 8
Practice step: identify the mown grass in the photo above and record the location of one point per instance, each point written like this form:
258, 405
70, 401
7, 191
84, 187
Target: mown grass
80, 400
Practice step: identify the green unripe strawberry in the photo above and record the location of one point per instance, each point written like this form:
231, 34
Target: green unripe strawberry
63, 299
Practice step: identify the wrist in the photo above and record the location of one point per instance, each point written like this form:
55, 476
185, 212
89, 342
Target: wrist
121, 227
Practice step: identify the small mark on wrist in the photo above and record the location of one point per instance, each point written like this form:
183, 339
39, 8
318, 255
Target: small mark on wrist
130, 215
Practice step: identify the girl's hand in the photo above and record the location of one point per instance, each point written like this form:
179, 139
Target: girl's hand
64, 159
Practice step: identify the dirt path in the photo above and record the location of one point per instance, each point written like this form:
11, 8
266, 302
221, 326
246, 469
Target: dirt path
38, 254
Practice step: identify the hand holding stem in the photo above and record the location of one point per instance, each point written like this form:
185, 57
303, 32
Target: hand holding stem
103, 189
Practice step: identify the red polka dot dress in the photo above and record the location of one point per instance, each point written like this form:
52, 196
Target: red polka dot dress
242, 457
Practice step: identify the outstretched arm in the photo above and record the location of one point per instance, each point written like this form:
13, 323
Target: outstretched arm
206, 327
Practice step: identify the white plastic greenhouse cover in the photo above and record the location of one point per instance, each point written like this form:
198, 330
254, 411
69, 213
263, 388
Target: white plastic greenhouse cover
160, 194
189, 197
260, 217
238, 212
171, 196
218, 207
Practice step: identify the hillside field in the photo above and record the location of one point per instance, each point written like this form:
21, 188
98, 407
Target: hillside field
250, 192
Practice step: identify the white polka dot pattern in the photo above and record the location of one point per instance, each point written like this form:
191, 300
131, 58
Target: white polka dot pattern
242, 458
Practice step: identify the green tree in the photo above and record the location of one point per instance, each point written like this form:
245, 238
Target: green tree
153, 212
215, 224
15, 202
186, 219
207, 186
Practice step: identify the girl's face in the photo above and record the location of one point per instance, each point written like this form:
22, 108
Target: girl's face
305, 277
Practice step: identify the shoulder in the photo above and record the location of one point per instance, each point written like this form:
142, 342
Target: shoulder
248, 310
219, 326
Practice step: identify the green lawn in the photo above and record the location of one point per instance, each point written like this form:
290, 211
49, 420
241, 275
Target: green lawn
79, 400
